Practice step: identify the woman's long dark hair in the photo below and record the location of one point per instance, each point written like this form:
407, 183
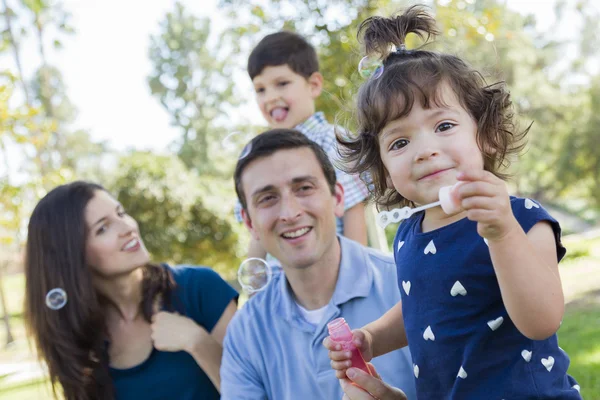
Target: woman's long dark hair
72, 340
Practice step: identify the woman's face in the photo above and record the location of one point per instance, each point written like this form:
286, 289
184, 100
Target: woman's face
113, 245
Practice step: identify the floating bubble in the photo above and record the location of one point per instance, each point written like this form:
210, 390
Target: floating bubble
246, 150
56, 299
370, 67
234, 141
254, 275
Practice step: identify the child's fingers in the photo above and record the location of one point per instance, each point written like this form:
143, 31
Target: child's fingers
474, 175
479, 203
331, 345
358, 338
340, 365
341, 373
340, 355
475, 188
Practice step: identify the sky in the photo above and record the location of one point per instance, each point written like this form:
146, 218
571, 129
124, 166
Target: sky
106, 62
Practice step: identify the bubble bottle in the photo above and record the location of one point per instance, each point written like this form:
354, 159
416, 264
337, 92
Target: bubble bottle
339, 332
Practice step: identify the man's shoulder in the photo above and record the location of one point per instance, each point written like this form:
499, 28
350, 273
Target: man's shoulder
259, 309
375, 257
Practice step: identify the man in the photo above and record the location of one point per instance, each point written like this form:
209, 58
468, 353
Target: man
290, 200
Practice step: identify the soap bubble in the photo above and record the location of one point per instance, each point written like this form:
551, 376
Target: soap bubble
233, 142
254, 275
370, 67
246, 150
56, 299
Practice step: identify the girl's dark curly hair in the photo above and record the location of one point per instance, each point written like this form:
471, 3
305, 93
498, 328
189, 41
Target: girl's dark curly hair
417, 74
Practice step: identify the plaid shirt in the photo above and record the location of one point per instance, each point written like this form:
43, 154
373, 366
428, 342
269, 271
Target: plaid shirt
317, 129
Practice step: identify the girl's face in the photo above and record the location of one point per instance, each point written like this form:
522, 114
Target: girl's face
426, 149
113, 245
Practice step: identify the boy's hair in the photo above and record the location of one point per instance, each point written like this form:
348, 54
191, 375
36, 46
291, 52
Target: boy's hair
273, 141
283, 48
416, 75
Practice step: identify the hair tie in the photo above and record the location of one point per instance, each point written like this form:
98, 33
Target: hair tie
401, 50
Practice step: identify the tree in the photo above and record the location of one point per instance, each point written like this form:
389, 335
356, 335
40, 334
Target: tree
37, 149
168, 201
194, 82
55, 144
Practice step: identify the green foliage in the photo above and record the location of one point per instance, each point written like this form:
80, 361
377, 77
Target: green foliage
34, 116
578, 336
169, 203
194, 83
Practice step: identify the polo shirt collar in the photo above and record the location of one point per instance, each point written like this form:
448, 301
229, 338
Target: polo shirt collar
355, 279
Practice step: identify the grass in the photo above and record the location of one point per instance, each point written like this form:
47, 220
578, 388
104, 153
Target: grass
36, 390
579, 336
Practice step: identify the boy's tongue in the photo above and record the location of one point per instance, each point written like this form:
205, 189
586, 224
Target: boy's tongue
279, 114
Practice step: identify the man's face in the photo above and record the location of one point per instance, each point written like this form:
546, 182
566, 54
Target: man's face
284, 97
290, 208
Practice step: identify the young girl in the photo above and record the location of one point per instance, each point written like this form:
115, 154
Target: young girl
481, 292
109, 323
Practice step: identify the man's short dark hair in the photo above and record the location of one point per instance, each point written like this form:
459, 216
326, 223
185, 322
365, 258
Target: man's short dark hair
283, 48
273, 141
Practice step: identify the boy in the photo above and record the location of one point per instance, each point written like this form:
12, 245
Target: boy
284, 69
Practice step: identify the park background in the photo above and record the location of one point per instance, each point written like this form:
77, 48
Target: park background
140, 96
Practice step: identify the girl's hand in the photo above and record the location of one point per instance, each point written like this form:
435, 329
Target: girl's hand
368, 387
485, 198
340, 360
174, 332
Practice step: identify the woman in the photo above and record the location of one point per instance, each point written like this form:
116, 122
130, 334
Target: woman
130, 329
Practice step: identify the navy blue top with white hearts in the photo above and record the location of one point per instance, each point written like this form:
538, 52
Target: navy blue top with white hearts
463, 343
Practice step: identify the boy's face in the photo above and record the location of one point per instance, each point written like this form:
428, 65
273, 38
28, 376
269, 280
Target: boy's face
284, 97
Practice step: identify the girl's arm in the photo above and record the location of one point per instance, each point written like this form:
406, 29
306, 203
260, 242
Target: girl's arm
526, 266
387, 333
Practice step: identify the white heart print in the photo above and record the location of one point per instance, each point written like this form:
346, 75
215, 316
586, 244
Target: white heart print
430, 248
548, 363
400, 244
529, 204
457, 289
526, 354
428, 334
416, 370
495, 323
462, 373
406, 287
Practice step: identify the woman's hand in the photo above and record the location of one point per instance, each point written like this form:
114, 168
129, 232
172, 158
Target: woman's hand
174, 332
369, 387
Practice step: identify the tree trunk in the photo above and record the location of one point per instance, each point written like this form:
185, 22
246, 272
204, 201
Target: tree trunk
6, 317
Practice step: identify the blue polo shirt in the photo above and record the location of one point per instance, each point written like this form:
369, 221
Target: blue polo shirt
202, 295
272, 352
